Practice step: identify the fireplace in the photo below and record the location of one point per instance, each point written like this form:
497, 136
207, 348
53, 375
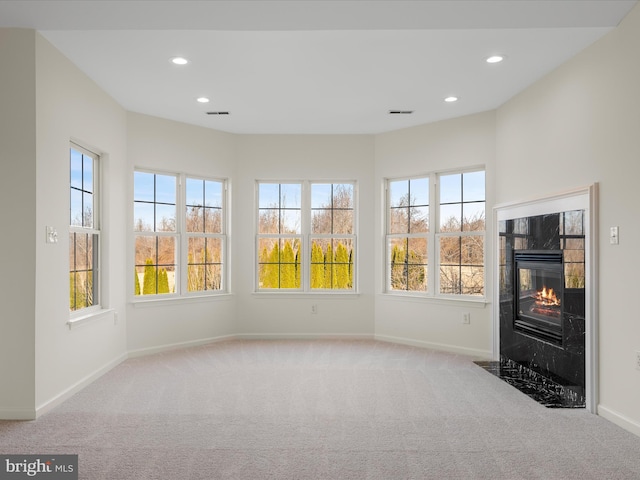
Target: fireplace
539, 294
542, 304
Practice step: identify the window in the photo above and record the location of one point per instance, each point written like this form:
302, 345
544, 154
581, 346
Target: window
332, 236
461, 233
408, 234
205, 234
279, 235
180, 234
442, 258
156, 237
306, 236
84, 230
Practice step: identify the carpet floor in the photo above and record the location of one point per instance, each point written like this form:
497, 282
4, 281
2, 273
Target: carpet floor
320, 409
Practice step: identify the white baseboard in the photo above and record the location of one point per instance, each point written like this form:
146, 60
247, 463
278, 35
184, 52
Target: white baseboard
141, 352
473, 352
619, 419
304, 336
75, 388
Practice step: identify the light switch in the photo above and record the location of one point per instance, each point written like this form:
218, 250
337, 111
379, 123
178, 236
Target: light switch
52, 235
613, 236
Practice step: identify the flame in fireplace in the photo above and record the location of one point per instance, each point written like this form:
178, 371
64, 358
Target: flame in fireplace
547, 297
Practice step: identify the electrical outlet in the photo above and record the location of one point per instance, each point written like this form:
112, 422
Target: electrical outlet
314, 309
466, 318
637, 359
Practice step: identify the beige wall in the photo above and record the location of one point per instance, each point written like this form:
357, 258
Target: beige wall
71, 106
17, 244
302, 157
577, 126
452, 144
163, 145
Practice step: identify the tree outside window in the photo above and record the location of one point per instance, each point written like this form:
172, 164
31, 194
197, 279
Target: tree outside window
306, 237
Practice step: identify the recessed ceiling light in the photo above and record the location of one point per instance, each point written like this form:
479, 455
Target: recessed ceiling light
451, 99
495, 58
202, 100
179, 61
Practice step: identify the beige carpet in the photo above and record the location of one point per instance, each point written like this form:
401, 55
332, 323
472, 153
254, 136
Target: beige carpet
319, 410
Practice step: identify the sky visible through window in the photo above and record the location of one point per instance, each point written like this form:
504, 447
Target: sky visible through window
285, 200
212, 193
419, 192
155, 199
450, 189
462, 197
81, 178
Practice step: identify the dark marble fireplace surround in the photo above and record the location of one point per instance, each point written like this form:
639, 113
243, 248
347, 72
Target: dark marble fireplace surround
551, 369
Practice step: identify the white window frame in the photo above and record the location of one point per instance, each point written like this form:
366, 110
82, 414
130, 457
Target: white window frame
182, 239
434, 236
406, 235
306, 237
94, 231
223, 237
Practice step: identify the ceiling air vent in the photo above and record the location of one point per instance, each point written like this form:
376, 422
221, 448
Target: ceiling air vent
400, 112
217, 113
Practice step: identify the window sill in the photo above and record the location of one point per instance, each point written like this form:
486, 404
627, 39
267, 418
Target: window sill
479, 302
79, 320
157, 302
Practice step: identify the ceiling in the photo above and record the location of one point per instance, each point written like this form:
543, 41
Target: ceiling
315, 66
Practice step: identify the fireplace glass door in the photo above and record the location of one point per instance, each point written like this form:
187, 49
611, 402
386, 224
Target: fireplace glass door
539, 294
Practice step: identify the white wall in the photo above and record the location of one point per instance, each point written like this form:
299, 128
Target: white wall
71, 106
163, 145
452, 144
17, 245
580, 125
302, 157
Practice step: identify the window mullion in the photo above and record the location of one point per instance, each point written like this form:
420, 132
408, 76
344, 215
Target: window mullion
433, 259
180, 273
305, 241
